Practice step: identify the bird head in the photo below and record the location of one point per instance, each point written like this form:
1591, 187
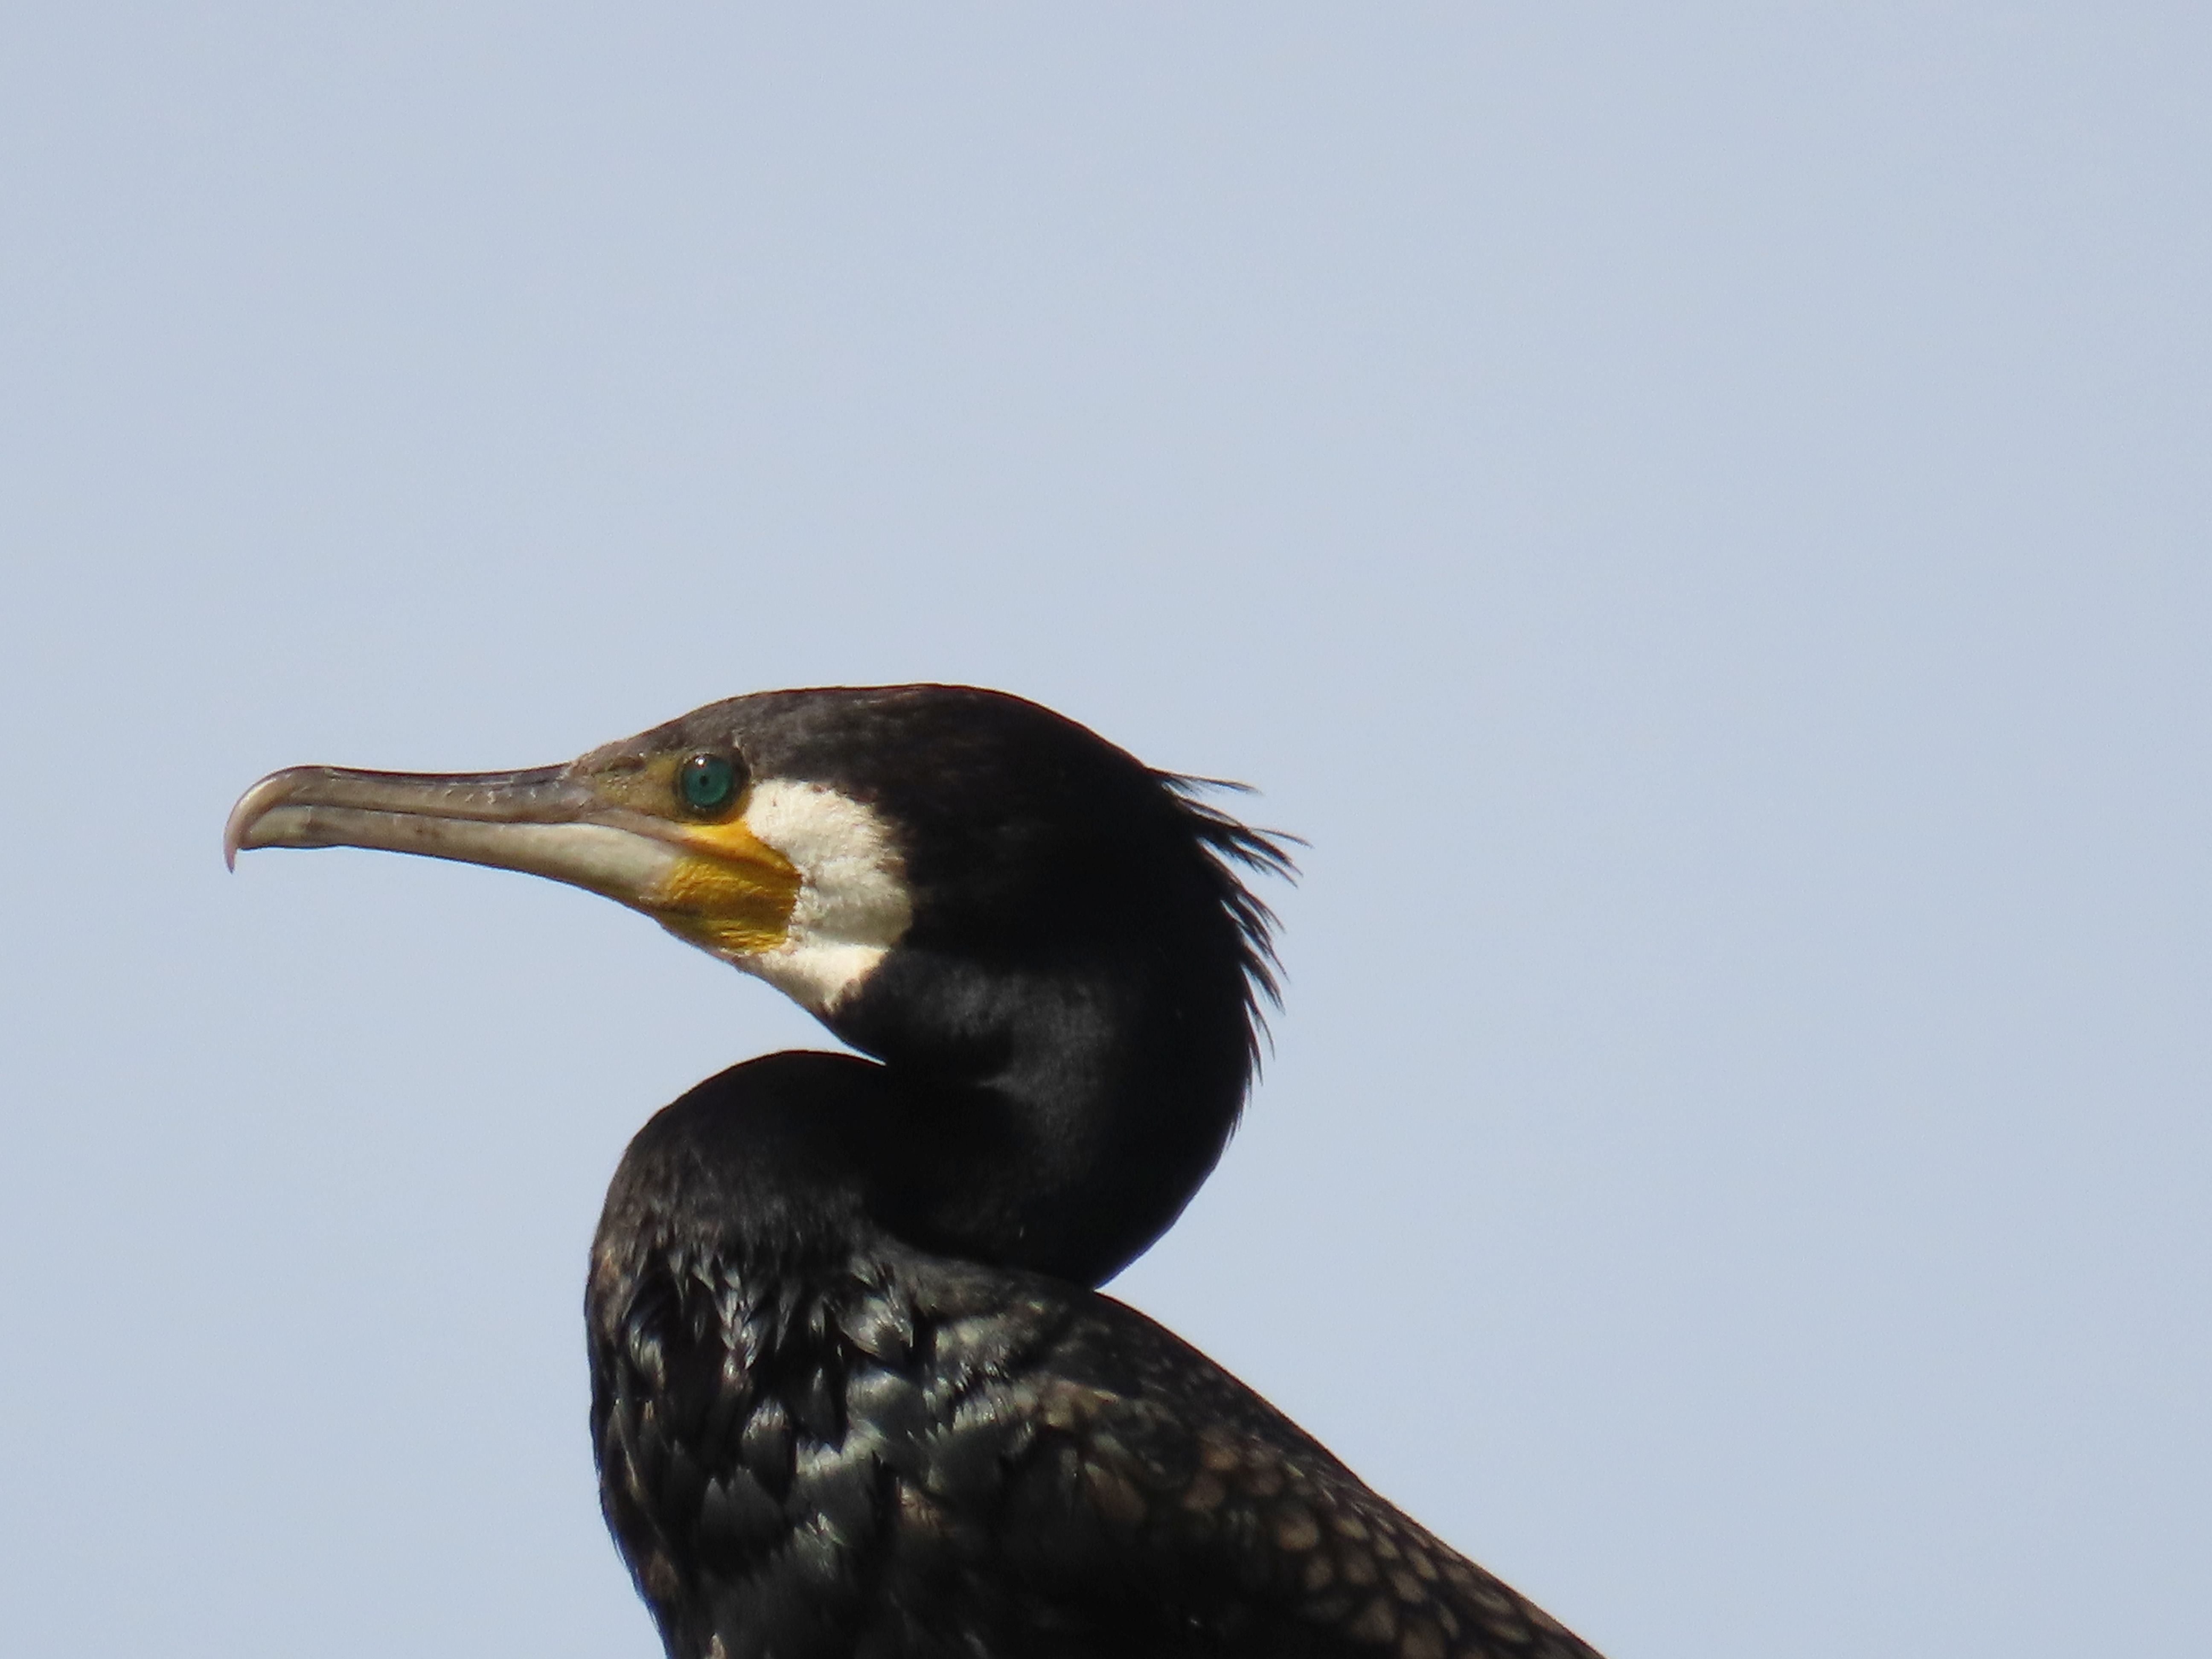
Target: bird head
980, 892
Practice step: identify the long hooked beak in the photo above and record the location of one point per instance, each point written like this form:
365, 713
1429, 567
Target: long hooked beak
541, 822
714, 885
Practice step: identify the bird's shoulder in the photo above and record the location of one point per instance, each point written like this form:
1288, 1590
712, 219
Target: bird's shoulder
1150, 1454
912, 1456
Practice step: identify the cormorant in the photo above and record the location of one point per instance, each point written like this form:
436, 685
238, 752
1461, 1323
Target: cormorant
852, 1390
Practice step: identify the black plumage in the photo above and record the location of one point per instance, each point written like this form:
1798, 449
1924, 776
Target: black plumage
815, 1439
854, 1392
1072, 1012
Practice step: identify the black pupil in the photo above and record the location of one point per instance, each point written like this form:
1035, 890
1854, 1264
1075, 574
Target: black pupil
707, 780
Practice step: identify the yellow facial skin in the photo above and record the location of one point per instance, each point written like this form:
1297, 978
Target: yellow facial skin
733, 895
616, 827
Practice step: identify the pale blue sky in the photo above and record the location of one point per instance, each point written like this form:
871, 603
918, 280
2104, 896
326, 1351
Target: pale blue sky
1699, 514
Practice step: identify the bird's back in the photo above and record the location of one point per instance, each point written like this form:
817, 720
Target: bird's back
901, 1457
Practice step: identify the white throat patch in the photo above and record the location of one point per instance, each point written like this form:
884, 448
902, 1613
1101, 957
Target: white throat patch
853, 902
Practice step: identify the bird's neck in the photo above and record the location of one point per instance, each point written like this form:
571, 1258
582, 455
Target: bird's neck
1053, 1120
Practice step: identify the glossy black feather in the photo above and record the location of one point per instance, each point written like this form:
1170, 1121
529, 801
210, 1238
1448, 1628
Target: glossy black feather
851, 1393
815, 1439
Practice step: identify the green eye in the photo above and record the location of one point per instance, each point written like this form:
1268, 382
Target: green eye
707, 782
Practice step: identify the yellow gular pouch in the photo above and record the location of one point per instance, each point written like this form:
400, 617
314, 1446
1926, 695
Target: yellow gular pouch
730, 894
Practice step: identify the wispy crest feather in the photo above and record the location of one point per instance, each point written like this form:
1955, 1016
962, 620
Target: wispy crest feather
1233, 846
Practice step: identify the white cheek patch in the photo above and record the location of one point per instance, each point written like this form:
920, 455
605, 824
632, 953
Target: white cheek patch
854, 905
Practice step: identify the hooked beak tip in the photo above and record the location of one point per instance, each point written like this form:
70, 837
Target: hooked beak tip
251, 807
